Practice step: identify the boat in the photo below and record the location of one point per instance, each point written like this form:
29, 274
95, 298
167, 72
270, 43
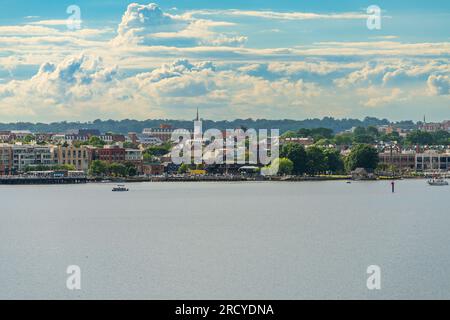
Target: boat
437, 182
120, 188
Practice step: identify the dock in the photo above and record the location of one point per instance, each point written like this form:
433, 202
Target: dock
10, 180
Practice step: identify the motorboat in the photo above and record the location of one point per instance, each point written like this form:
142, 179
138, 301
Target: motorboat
120, 188
437, 182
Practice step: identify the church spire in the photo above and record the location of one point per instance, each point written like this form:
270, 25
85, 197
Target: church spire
197, 119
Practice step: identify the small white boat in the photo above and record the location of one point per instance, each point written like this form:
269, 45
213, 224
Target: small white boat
120, 188
437, 182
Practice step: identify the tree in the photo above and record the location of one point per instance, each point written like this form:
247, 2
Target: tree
130, 145
131, 170
289, 134
420, 138
363, 135
323, 142
98, 168
28, 138
96, 142
363, 138
297, 154
334, 162
316, 133
43, 167
362, 156
393, 136
184, 168
68, 167
441, 137
158, 151
77, 143
343, 139
372, 131
285, 166
118, 169
359, 131
149, 158
316, 161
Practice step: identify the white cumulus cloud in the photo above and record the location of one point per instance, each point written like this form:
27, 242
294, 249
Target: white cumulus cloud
149, 25
439, 85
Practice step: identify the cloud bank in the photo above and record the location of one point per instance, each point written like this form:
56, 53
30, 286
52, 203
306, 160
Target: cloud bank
166, 64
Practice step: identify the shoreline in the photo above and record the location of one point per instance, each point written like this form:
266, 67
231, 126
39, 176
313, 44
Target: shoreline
112, 180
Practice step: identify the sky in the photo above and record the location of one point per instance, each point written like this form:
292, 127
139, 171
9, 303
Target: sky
286, 59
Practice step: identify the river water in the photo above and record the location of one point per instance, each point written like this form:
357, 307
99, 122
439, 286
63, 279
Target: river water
246, 240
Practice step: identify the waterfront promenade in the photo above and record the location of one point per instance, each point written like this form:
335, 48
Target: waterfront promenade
41, 180
31, 180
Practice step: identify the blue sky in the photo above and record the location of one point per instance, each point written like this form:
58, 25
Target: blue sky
259, 59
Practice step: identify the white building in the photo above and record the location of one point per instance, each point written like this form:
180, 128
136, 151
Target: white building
433, 161
20, 134
24, 156
133, 155
148, 140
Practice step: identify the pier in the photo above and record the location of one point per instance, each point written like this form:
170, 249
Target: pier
41, 180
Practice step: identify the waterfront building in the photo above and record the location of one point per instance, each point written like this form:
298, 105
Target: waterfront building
400, 160
24, 156
135, 157
5, 159
152, 169
110, 153
432, 161
80, 157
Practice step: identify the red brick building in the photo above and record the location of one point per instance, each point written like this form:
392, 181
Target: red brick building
111, 154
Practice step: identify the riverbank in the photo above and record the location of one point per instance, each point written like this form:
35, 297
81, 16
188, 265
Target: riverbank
20, 180
240, 178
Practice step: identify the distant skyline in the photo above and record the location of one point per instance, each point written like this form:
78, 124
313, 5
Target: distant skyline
231, 59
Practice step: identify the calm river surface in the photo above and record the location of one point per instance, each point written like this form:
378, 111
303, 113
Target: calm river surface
262, 240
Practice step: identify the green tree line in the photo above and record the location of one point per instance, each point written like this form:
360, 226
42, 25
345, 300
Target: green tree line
315, 160
103, 168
